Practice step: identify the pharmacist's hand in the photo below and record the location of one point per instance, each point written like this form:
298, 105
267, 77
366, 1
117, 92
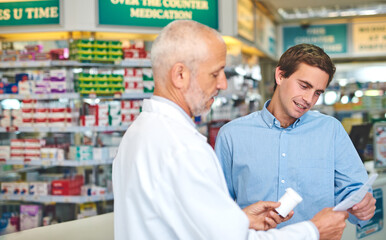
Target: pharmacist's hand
262, 215
330, 224
364, 210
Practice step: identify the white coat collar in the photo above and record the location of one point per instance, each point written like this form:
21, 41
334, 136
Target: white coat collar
170, 111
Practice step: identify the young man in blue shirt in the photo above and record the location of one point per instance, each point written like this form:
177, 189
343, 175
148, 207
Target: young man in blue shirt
286, 145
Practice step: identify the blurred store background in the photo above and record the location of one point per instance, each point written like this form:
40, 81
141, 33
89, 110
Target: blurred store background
73, 75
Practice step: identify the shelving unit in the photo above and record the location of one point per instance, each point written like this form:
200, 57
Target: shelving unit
75, 129
57, 199
46, 164
72, 63
56, 163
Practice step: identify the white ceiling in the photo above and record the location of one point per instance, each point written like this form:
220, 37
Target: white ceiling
297, 10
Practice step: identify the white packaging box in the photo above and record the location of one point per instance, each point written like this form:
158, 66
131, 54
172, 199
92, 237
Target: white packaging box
101, 153
58, 86
133, 86
92, 190
32, 143
39, 188
114, 108
48, 153
88, 120
26, 87
103, 121
81, 153
130, 111
102, 109
17, 143
59, 74
5, 152
30, 216
8, 188
115, 120
21, 188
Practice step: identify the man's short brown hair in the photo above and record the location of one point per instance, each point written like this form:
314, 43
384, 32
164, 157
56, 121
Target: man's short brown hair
309, 54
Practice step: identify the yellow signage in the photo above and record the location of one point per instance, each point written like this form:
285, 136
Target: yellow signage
369, 37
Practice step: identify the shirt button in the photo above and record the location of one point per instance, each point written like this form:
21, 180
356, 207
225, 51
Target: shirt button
282, 181
283, 154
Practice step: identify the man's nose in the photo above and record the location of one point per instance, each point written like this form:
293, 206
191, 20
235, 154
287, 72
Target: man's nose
222, 82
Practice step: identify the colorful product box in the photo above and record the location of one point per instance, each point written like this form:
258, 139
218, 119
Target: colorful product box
30, 216
39, 188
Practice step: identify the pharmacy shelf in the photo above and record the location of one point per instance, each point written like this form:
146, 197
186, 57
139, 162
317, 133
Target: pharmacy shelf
53, 96
74, 129
120, 96
56, 96
57, 199
72, 63
361, 111
55, 162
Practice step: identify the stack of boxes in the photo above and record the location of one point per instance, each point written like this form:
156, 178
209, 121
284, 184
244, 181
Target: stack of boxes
130, 109
101, 84
112, 113
138, 80
133, 80
96, 50
135, 51
81, 153
67, 186
33, 53
38, 82
25, 149
114, 116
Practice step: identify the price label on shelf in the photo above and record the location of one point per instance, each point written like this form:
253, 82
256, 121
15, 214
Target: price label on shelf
117, 95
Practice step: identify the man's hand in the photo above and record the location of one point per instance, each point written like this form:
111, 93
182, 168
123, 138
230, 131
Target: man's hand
364, 210
330, 224
262, 215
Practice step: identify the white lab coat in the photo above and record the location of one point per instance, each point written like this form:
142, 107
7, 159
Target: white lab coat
168, 184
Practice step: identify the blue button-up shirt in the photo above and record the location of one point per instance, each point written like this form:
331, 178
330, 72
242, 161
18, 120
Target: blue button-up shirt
314, 156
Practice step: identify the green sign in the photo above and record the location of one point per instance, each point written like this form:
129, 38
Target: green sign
157, 13
332, 38
16, 13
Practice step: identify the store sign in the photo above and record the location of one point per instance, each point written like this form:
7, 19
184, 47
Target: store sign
245, 19
332, 38
369, 37
265, 33
16, 13
157, 13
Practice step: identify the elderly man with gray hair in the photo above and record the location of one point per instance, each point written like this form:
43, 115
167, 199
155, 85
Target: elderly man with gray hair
167, 180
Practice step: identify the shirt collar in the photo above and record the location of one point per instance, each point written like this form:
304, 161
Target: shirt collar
174, 105
271, 121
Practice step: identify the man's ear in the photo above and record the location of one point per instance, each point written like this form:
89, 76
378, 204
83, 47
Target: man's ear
279, 76
180, 75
